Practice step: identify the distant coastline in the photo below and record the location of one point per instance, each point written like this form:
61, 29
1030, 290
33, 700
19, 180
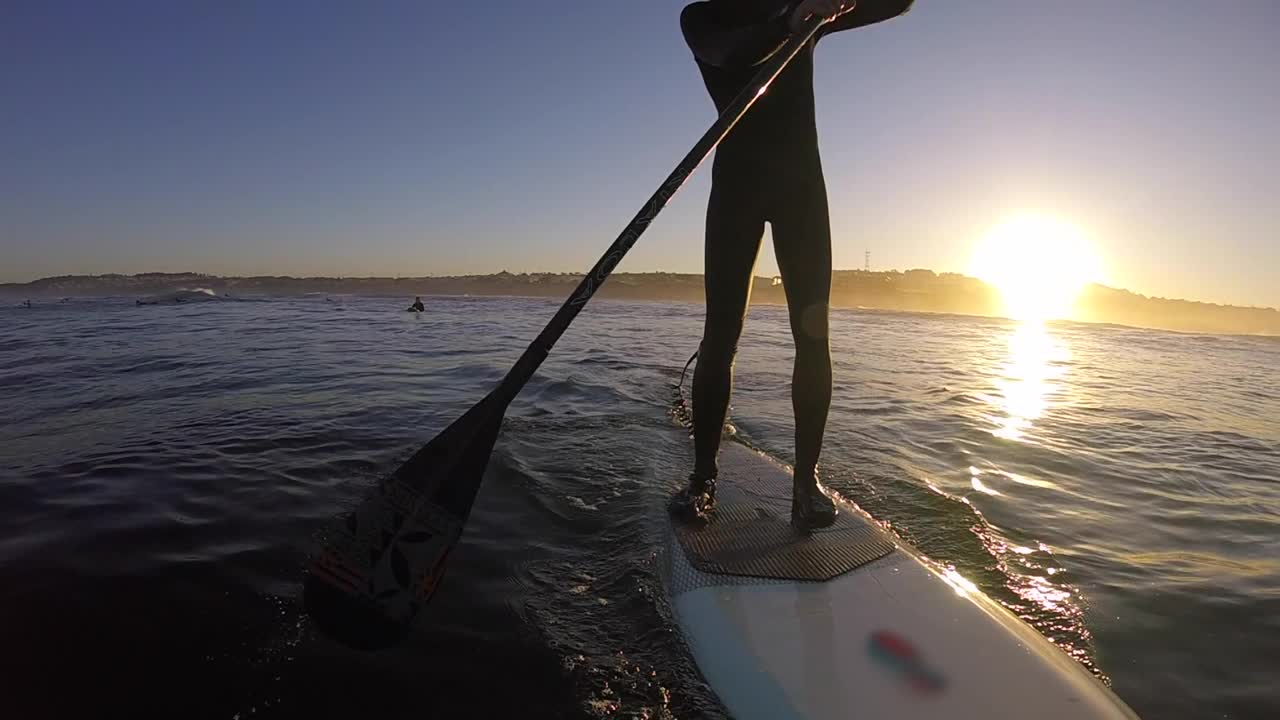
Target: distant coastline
912, 290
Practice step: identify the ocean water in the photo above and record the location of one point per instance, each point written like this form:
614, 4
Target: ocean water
163, 470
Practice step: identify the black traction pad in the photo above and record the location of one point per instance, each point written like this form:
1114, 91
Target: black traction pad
750, 533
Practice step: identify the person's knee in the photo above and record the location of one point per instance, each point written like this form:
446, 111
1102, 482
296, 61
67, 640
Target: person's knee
809, 324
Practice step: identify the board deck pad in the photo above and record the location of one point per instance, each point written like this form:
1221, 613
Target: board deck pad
750, 533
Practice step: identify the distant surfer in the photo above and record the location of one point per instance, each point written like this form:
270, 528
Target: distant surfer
417, 305
26, 303
766, 170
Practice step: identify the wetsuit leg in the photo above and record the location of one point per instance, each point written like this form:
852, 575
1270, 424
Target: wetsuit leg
735, 225
802, 243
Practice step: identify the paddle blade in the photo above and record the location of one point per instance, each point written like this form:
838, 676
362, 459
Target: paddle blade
377, 566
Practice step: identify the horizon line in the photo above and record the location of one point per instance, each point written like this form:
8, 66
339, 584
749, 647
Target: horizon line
580, 273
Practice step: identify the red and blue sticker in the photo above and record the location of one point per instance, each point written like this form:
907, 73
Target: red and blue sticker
894, 653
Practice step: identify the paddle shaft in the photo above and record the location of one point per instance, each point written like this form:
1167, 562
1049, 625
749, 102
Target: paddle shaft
538, 350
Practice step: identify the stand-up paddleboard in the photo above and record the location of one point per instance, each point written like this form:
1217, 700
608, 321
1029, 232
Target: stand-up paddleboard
849, 622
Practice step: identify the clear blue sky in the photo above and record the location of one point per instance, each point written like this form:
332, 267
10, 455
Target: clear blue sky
415, 138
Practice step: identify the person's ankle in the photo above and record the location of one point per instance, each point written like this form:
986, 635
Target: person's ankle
705, 473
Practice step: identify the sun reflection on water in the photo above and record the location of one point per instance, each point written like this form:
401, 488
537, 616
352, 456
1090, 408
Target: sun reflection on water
1029, 383
1029, 379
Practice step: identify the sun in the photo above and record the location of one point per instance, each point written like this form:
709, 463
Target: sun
1038, 263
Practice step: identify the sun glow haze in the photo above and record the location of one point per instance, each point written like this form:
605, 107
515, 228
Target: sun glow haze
1038, 263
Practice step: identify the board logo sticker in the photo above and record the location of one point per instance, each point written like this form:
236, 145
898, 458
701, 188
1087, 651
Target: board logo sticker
894, 653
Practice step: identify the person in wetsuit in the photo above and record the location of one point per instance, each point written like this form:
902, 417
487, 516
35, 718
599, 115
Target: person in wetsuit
417, 305
766, 170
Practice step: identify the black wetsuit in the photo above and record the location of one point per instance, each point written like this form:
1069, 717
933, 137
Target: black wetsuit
766, 170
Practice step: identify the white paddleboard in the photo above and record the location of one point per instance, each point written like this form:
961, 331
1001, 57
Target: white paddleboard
894, 638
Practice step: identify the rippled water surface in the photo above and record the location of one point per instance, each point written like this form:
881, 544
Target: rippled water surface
162, 470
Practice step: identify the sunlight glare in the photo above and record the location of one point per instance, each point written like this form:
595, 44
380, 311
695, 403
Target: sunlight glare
1038, 264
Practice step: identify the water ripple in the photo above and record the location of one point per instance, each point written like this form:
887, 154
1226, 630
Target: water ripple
162, 470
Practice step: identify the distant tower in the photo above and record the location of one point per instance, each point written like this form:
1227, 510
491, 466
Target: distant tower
866, 261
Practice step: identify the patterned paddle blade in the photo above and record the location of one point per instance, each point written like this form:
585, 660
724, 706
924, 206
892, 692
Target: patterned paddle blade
379, 564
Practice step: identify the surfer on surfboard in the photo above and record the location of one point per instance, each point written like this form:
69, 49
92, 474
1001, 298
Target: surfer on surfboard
766, 170
416, 306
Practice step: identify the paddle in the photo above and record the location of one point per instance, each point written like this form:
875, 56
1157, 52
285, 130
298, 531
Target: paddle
377, 566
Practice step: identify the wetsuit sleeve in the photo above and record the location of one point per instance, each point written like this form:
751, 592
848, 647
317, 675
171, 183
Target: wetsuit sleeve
721, 36
725, 35
867, 12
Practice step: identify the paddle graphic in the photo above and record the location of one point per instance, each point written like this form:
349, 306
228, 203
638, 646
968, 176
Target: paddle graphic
378, 565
